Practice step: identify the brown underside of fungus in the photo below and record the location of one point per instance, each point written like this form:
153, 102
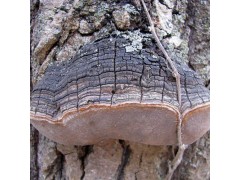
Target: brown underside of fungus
106, 92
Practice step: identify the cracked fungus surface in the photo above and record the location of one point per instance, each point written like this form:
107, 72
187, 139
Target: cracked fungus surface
104, 74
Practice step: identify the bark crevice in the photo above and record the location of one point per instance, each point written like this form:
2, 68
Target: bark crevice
124, 160
87, 151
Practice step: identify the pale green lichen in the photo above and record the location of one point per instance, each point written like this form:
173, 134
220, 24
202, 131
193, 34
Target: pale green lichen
130, 9
136, 40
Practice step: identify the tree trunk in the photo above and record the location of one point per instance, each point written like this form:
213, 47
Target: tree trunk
60, 27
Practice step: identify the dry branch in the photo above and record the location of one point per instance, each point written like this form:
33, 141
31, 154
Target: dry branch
181, 147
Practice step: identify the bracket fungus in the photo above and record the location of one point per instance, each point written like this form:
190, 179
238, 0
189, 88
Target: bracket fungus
105, 92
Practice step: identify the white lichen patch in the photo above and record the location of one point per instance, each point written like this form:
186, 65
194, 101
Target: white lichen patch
154, 56
175, 40
130, 9
136, 41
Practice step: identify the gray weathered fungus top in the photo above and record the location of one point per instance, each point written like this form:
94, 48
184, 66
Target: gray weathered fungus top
105, 92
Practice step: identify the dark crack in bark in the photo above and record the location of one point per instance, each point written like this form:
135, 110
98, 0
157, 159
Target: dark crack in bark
34, 141
115, 75
87, 150
124, 161
61, 165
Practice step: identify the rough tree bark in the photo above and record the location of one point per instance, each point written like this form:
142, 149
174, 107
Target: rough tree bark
60, 27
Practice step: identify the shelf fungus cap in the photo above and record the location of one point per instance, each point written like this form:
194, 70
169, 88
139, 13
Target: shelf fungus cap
105, 92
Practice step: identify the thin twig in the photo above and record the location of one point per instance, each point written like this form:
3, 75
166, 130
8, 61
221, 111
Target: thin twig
181, 147
160, 46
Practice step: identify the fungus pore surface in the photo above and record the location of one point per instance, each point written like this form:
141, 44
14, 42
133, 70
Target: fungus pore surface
106, 92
